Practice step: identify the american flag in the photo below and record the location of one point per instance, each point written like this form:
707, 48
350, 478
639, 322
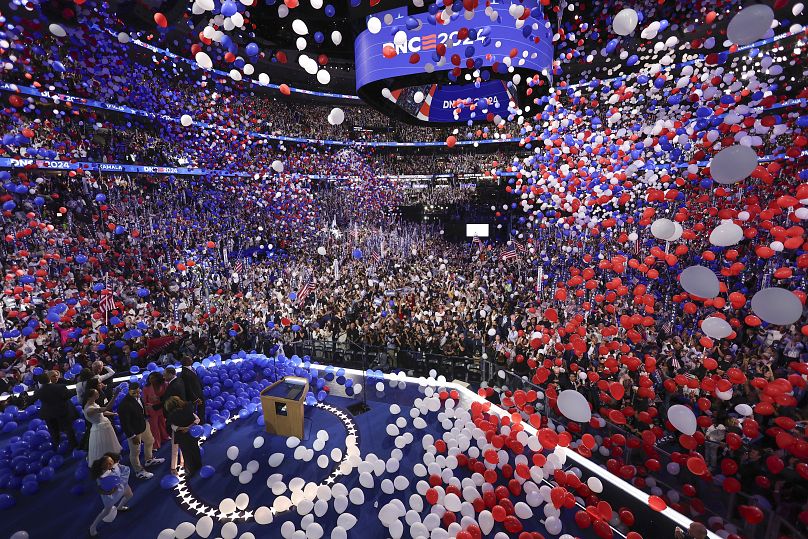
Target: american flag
239, 266
667, 327
636, 247
375, 256
519, 247
509, 254
305, 290
107, 303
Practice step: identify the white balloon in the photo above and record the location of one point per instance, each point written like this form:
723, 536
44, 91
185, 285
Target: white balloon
595, 484
204, 526
232, 452
263, 78
673, 468
184, 530
203, 60
726, 234
242, 501
574, 406
258, 442
677, 232
486, 521
700, 282
733, 164
777, 306
123, 37
186, 120
275, 459
715, 327
374, 25
750, 24
336, 37
336, 117
277, 166
553, 525
625, 22
663, 228
300, 27
683, 419
339, 533
283, 11
229, 530
316, 4
227, 506
323, 77
57, 30
744, 409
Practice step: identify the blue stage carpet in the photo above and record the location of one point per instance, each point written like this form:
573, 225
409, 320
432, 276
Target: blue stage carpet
55, 512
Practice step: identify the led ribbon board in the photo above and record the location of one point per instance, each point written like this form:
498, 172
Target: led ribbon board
471, 80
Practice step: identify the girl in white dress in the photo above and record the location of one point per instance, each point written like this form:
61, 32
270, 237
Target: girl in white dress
103, 439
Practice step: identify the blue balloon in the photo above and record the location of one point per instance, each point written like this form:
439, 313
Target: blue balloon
207, 471
229, 8
330, 11
169, 481
7, 501
196, 431
252, 49
319, 37
109, 482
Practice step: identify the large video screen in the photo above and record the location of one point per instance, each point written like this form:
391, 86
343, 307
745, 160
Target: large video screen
477, 229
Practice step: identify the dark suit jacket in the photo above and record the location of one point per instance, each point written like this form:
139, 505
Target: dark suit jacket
132, 416
176, 388
55, 399
193, 386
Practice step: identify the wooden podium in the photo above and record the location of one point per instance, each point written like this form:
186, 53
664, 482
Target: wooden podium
282, 403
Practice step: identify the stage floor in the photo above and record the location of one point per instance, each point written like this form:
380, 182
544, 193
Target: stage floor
394, 457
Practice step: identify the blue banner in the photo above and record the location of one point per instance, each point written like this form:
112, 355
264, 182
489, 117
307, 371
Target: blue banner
489, 41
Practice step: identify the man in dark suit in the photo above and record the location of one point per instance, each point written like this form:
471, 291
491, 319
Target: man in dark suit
56, 409
176, 385
193, 387
134, 425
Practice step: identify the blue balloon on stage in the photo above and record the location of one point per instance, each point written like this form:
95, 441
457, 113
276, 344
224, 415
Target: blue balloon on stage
169, 481
207, 471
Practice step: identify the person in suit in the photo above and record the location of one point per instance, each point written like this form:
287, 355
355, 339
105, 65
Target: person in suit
176, 385
132, 415
193, 387
56, 409
180, 418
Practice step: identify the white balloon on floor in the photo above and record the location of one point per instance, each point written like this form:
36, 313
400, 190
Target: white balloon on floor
263, 515
204, 526
229, 530
184, 530
276, 459
227, 506
258, 442
232, 452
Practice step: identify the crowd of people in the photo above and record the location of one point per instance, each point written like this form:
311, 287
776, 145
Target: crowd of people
299, 241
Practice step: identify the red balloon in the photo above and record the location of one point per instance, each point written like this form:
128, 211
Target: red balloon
656, 503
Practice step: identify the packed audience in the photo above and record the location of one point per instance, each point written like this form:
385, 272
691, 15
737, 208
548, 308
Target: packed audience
128, 270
